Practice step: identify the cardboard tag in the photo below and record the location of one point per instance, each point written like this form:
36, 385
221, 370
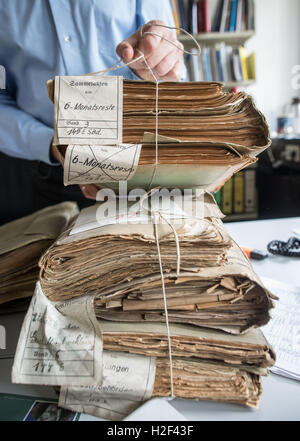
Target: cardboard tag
86, 164
88, 110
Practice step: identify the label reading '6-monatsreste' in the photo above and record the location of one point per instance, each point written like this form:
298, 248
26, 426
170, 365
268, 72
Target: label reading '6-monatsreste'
88, 110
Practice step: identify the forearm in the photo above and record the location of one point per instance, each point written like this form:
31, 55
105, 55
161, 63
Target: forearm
22, 135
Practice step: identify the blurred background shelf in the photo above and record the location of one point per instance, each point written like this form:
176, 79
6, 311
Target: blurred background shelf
211, 38
232, 84
241, 217
222, 29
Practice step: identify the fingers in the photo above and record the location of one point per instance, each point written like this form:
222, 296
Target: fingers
162, 51
152, 37
89, 191
174, 74
125, 49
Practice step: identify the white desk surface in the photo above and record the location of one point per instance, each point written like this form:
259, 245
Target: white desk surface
281, 396
257, 234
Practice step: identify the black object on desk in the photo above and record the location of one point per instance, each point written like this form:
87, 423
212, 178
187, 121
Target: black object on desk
291, 248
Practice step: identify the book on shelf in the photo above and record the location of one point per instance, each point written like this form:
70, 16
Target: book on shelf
206, 15
192, 14
176, 14
238, 195
250, 191
183, 16
197, 16
221, 63
239, 16
232, 25
243, 60
227, 199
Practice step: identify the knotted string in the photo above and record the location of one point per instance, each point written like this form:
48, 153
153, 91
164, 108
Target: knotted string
158, 214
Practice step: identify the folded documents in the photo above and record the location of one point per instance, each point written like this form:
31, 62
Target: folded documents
118, 263
206, 365
204, 136
205, 381
191, 380
250, 352
115, 252
22, 242
228, 297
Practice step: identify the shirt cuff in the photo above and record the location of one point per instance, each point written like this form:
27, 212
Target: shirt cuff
40, 144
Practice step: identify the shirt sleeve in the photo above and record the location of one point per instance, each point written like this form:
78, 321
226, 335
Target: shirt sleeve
22, 135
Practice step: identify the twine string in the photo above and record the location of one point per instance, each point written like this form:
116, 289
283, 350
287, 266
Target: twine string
120, 64
157, 214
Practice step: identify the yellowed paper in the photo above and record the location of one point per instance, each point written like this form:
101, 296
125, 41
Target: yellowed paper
60, 343
88, 110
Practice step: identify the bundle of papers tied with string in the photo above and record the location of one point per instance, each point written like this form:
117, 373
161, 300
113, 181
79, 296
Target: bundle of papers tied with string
206, 365
115, 366
204, 136
216, 286
22, 242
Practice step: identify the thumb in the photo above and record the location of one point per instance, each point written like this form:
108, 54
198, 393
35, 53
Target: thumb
125, 49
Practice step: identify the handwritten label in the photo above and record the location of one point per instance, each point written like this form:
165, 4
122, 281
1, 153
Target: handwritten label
128, 381
86, 164
88, 110
60, 343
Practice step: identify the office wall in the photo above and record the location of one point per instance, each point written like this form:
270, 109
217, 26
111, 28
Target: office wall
277, 48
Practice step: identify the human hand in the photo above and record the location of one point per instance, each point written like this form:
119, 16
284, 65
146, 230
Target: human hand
164, 58
88, 190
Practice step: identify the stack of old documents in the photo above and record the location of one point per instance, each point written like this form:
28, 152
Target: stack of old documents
152, 300
204, 135
22, 242
216, 286
216, 290
207, 364
213, 350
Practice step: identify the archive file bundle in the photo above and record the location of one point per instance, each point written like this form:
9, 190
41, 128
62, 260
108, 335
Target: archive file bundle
215, 305
22, 242
216, 286
204, 137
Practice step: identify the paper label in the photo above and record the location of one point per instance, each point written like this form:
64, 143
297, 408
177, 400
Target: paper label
86, 164
128, 381
60, 343
88, 110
